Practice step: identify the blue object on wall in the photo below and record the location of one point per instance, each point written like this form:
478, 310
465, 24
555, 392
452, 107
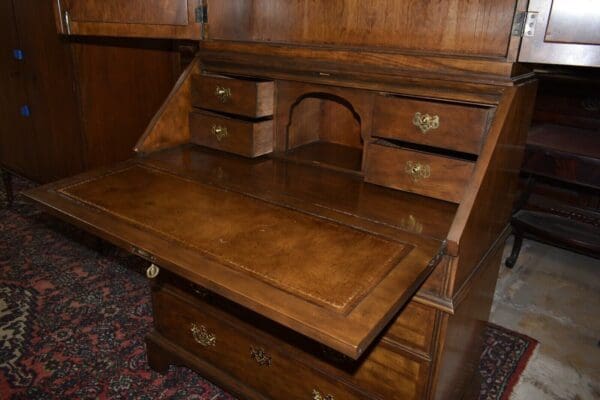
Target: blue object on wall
25, 111
18, 54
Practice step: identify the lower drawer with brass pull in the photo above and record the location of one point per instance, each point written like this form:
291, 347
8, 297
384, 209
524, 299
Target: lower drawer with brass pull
250, 139
432, 175
223, 341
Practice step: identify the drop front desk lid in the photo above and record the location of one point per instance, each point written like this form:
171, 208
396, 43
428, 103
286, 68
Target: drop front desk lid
329, 275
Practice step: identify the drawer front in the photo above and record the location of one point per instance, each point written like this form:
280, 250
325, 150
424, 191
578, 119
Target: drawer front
414, 327
449, 126
250, 139
427, 174
240, 351
244, 97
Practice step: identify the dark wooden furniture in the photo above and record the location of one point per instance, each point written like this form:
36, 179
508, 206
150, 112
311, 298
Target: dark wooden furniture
561, 169
70, 105
324, 195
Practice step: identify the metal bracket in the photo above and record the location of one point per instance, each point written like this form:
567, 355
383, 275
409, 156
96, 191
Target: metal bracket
524, 24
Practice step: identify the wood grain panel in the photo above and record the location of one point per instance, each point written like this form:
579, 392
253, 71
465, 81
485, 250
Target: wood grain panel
154, 12
574, 21
478, 27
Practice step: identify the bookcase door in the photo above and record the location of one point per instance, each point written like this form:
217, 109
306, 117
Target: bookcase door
177, 19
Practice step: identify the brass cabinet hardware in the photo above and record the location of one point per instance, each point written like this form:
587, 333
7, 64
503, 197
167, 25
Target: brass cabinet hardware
261, 357
223, 93
152, 271
316, 395
202, 336
426, 122
220, 132
417, 171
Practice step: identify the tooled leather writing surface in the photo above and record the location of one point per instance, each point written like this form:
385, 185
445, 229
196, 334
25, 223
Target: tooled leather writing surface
321, 261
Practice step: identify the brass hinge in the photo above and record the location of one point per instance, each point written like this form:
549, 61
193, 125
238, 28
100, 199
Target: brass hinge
524, 24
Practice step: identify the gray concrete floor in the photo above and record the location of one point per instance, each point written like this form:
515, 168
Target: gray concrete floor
553, 295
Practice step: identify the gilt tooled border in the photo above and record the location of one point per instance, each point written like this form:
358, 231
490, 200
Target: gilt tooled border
343, 308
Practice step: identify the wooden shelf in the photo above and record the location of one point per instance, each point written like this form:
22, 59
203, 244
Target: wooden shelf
327, 154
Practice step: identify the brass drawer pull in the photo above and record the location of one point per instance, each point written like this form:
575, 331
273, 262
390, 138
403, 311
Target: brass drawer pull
417, 171
202, 336
316, 395
152, 271
220, 132
426, 122
223, 93
261, 357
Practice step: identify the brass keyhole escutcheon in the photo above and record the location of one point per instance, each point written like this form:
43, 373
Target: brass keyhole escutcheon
316, 395
417, 171
202, 336
223, 93
152, 271
220, 132
426, 122
261, 357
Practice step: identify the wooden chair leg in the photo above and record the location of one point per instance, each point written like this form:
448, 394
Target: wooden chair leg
512, 260
7, 180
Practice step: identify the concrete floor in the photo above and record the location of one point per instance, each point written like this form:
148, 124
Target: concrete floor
553, 295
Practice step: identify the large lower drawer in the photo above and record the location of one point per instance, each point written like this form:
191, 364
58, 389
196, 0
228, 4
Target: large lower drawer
240, 351
250, 139
280, 365
436, 176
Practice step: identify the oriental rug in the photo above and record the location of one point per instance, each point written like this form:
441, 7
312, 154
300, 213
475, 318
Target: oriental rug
74, 311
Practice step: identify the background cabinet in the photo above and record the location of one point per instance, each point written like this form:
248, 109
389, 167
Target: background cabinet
56, 117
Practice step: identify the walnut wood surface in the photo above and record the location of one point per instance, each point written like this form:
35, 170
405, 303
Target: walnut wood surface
398, 369
250, 139
134, 214
153, 18
494, 182
170, 126
354, 23
387, 166
249, 98
461, 127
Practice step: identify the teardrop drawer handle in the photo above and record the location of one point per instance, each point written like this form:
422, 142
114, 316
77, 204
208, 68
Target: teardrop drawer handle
417, 171
261, 357
426, 122
152, 271
202, 336
220, 132
223, 93
316, 395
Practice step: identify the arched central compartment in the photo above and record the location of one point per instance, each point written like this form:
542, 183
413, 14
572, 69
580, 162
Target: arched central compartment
325, 129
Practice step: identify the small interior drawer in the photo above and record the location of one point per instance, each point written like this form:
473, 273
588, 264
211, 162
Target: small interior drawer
239, 350
244, 96
449, 126
431, 175
250, 139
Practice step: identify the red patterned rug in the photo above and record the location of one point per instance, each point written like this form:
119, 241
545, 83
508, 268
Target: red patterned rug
74, 311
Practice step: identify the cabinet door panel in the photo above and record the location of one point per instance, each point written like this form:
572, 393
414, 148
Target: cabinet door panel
148, 18
563, 32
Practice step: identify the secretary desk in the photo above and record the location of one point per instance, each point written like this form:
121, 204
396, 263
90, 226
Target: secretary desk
323, 197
